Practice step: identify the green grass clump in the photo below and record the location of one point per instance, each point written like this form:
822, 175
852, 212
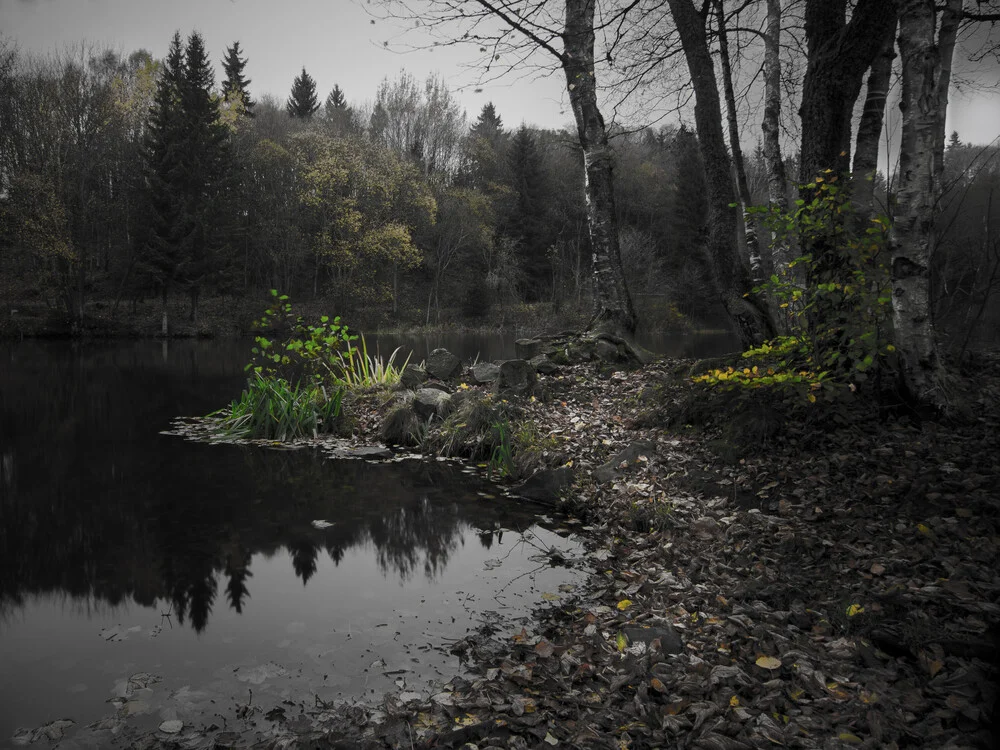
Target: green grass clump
271, 408
358, 369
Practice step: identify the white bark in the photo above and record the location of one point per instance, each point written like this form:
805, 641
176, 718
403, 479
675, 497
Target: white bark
912, 234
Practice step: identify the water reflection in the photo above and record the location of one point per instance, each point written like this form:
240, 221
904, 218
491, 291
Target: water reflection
98, 506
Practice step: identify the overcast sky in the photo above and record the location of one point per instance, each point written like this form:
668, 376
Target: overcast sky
334, 39
338, 44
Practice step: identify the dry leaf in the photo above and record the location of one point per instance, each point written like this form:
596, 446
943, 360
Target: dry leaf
768, 662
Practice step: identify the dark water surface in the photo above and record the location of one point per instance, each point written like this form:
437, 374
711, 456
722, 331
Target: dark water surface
146, 578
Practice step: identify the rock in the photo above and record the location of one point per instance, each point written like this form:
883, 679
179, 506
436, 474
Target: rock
545, 485
606, 351
173, 726
412, 376
365, 451
544, 365
443, 365
670, 641
609, 471
517, 376
428, 402
528, 348
485, 372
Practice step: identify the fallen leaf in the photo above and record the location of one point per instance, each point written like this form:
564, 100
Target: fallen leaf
544, 649
768, 662
624, 604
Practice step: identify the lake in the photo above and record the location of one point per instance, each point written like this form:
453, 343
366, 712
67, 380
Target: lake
147, 578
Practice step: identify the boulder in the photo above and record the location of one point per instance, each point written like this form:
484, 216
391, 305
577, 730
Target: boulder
443, 365
544, 486
485, 372
528, 348
429, 402
516, 376
610, 471
412, 376
544, 365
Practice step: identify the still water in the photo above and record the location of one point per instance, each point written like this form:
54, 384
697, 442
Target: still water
146, 578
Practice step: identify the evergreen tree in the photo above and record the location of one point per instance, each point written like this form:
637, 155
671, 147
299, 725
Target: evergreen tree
166, 243
234, 85
185, 158
303, 102
205, 154
335, 100
338, 115
529, 222
485, 168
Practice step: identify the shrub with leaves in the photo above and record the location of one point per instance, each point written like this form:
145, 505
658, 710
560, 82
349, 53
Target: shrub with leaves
840, 318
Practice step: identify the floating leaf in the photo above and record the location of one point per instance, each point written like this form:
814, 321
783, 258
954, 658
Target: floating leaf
550, 597
172, 727
768, 662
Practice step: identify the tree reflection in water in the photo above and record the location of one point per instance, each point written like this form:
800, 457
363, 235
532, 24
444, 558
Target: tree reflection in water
96, 505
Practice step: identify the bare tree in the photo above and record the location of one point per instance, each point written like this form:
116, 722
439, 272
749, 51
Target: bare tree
510, 33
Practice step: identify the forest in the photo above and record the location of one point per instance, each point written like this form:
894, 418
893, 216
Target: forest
131, 186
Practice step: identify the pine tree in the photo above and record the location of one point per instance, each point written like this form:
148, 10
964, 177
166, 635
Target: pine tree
165, 246
185, 159
529, 222
303, 102
234, 85
205, 154
335, 100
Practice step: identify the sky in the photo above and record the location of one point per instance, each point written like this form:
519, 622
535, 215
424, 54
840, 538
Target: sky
334, 39
337, 43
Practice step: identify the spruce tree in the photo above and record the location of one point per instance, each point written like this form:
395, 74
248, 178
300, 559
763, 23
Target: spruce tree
185, 159
205, 154
234, 85
335, 100
165, 246
339, 117
303, 102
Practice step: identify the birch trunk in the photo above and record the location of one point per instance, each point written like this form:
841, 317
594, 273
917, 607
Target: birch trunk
870, 130
613, 311
782, 254
748, 314
757, 274
913, 230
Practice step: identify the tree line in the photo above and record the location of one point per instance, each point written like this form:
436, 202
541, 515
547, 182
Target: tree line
127, 178
130, 177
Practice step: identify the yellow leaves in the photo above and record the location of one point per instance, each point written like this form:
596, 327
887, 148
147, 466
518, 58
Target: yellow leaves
734, 702
854, 610
624, 604
621, 642
923, 528
812, 398
768, 662
849, 738
550, 597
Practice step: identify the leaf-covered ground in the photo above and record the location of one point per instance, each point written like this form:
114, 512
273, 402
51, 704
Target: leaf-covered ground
763, 578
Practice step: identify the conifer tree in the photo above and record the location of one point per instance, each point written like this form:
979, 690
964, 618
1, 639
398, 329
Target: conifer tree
335, 100
303, 102
185, 159
234, 85
166, 243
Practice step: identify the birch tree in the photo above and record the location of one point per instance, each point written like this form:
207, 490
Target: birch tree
510, 32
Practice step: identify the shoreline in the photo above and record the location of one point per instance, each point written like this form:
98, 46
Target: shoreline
788, 596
